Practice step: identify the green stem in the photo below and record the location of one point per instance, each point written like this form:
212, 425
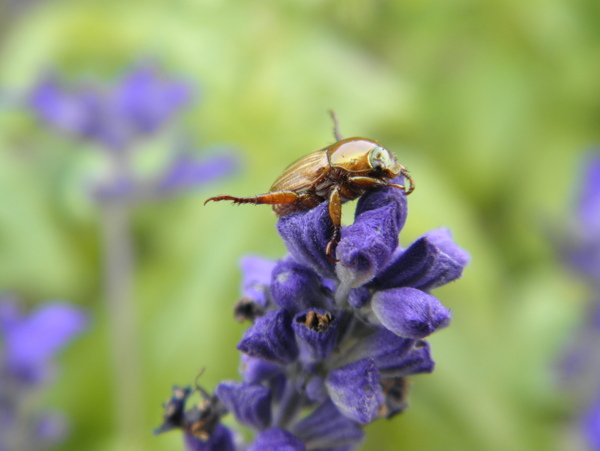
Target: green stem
119, 279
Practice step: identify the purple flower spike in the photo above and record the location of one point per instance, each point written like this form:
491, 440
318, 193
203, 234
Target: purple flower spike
250, 403
295, 287
409, 312
32, 341
306, 235
332, 344
430, 262
277, 439
141, 103
271, 338
356, 391
317, 331
326, 428
220, 440
256, 278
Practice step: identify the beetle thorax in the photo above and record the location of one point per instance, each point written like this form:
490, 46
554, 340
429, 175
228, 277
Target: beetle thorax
352, 154
363, 156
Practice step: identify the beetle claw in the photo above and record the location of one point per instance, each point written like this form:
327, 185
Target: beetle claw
411, 188
330, 251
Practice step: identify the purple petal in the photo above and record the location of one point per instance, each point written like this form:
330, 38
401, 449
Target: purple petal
430, 262
317, 332
409, 312
220, 440
295, 287
10, 313
186, 171
326, 427
31, 343
356, 391
367, 245
51, 428
359, 297
68, 112
417, 361
383, 197
590, 424
145, 101
250, 403
306, 235
276, 439
256, 278
271, 338
255, 370
315, 389
382, 346
589, 200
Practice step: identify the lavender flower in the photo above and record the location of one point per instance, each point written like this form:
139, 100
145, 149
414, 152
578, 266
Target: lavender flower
331, 345
115, 118
26, 366
118, 119
581, 365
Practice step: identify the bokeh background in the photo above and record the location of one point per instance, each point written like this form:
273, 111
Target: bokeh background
490, 104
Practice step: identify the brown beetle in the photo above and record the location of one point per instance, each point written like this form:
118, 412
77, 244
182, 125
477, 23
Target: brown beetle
338, 173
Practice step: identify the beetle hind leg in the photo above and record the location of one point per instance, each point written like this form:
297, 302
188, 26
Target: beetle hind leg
274, 198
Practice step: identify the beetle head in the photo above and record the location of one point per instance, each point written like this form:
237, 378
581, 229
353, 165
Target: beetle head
383, 161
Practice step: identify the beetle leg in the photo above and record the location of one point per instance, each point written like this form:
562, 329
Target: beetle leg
372, 182
335, 213
411, 188
274, 198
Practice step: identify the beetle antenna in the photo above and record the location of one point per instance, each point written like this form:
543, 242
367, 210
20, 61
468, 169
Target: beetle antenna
336, 126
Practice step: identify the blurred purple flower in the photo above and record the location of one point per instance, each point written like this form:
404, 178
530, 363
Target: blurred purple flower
583, 251
30, 342
137, 106
590, 423
29, 345
580, 365
331, 345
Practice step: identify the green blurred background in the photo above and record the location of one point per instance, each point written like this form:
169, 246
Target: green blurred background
490, 104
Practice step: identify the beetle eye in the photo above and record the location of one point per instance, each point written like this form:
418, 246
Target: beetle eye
379, 158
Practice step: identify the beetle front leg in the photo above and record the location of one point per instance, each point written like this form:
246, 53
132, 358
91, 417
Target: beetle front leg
335, 213
372, 182
274, 198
